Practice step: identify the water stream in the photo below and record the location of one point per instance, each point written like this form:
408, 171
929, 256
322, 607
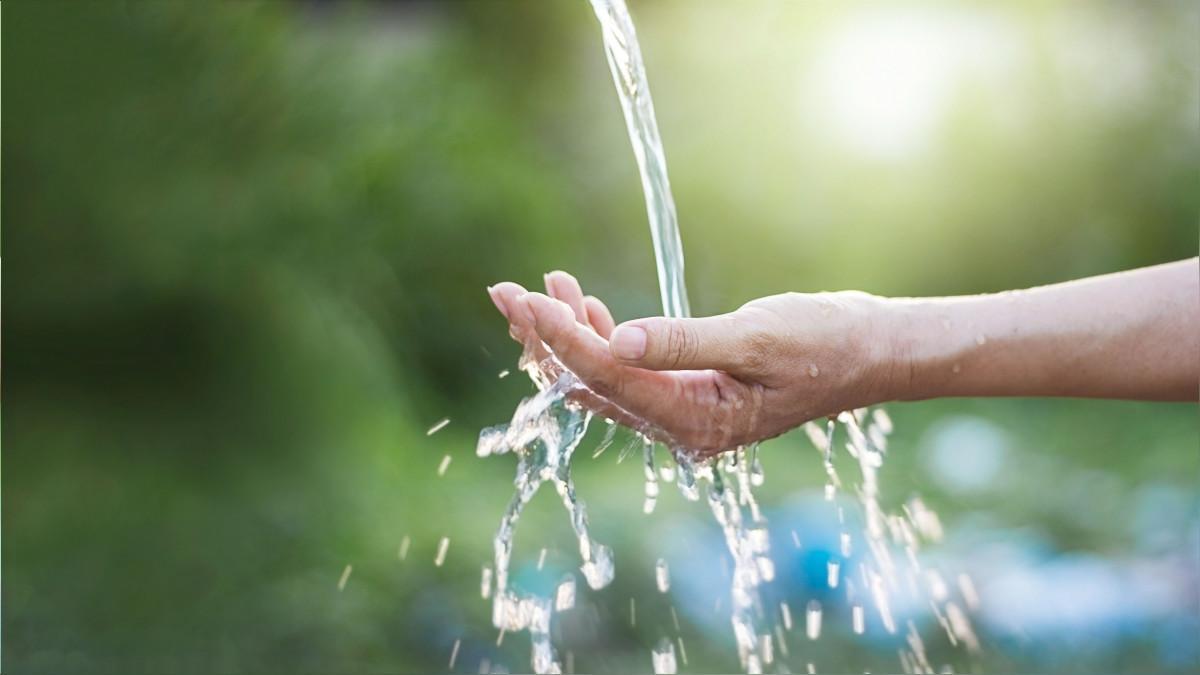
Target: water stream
546, 429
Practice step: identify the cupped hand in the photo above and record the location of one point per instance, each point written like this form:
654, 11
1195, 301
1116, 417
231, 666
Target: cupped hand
710, 384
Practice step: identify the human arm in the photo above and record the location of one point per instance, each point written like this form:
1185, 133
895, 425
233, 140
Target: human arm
711, 383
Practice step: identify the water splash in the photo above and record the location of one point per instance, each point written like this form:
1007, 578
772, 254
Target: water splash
546, 429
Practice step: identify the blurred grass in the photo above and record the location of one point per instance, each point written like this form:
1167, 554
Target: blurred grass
251, 242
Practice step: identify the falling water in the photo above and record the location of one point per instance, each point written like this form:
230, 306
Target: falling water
629, 75
546, 429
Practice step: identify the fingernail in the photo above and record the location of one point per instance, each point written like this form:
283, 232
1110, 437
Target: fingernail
497, 301
628, 342
523, 305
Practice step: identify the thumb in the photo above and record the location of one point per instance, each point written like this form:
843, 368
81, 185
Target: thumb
678, 344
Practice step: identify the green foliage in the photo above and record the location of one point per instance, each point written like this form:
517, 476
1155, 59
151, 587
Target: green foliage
250, 244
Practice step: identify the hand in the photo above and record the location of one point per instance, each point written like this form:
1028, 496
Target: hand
713, 383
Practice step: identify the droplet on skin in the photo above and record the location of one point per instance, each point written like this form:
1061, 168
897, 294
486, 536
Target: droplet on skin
813, 370
443, 545
345, 577
441, 471
438, 427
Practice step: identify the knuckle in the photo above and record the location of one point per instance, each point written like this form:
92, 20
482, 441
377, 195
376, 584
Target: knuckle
682, 345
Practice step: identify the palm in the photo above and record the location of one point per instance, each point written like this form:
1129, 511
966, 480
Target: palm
705, 410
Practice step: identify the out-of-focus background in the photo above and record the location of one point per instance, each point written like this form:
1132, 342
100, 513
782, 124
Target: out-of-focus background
250, 244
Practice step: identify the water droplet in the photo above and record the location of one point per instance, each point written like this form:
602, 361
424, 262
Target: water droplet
666, 472
443, 545
956, 368
766, 648
345, 577
832, 569
766, 568
967, 587
787, 615
402, 552
564, 597
441, 470
663, 657
859, 621
813, 370
633, 612
438, 427
830, 492
503, 374
454, 653
795, 539
980, 340
485, 582
812, 620
662, 576
599, 569
781, 641
845, 544
541, 561
682, 651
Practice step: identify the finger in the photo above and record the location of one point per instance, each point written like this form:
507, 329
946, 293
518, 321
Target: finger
497, 300
644, 393
564, 287
599, 316
520, 321
716, 342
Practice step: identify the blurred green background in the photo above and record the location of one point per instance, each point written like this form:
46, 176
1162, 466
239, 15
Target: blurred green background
250, 248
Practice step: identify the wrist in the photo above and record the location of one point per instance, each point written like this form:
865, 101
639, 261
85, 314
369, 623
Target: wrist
893, 357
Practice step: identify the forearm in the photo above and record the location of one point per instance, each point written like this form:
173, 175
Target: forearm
1132, 335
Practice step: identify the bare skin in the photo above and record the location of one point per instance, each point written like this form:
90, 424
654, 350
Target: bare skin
712, 383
